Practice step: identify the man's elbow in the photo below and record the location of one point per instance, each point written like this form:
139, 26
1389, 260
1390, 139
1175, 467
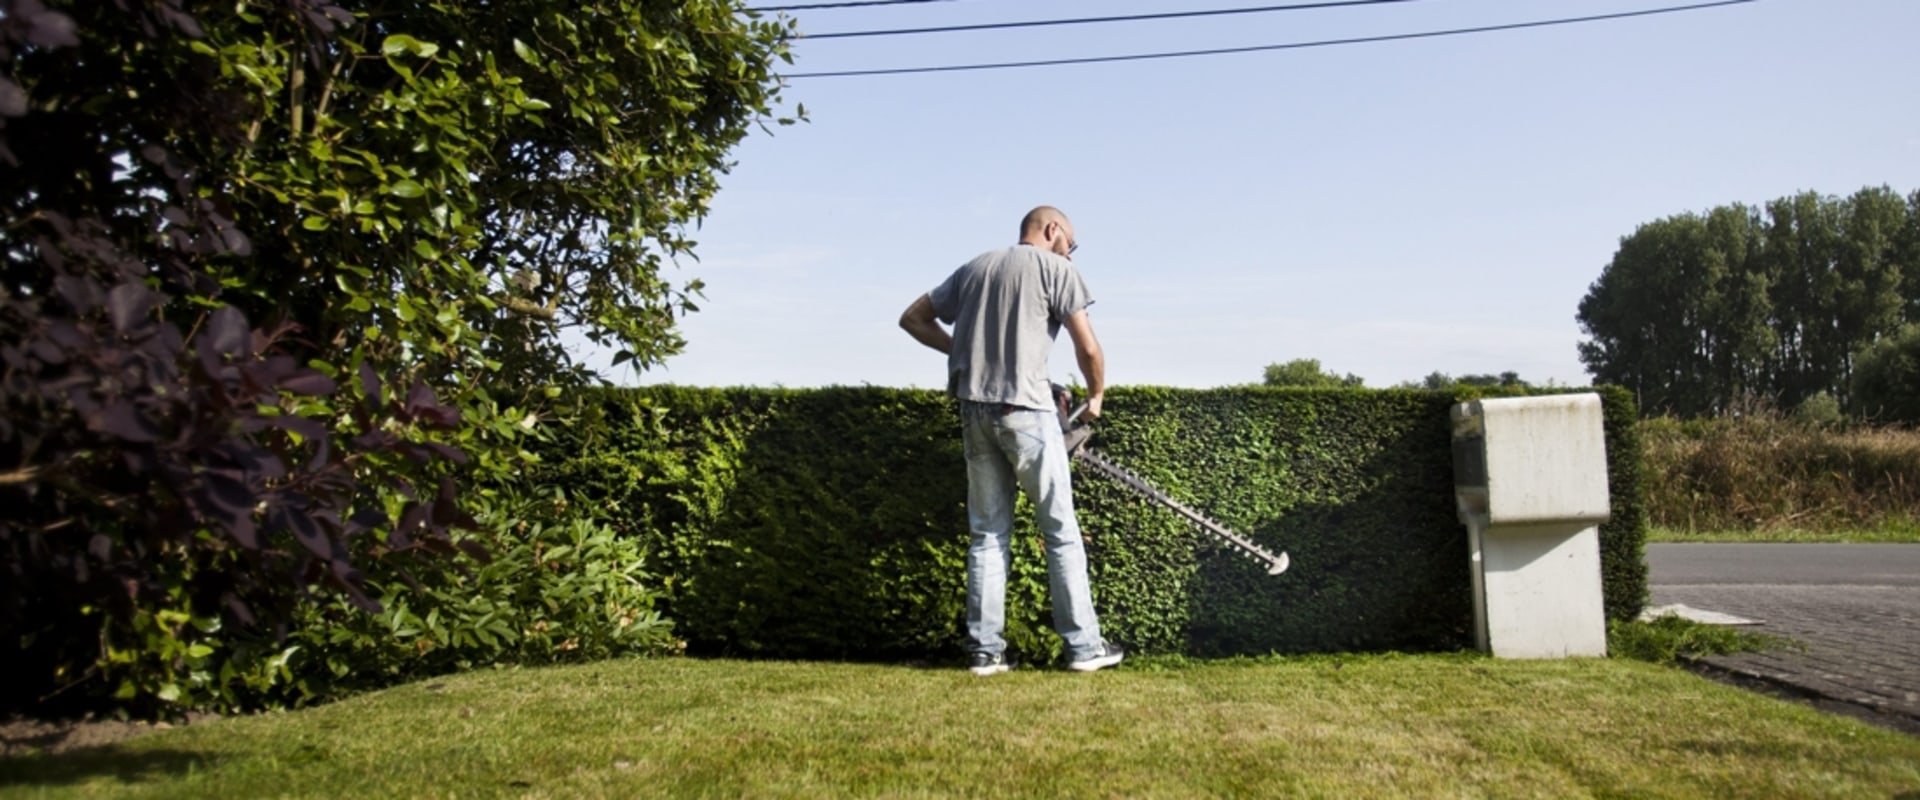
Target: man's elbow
917, 314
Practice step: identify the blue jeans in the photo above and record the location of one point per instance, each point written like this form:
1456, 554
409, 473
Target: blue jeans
1022, 449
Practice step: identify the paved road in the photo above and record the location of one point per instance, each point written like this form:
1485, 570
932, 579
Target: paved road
1855, 608
1884, 565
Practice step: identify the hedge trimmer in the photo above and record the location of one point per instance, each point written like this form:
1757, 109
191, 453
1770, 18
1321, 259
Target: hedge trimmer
1077, 431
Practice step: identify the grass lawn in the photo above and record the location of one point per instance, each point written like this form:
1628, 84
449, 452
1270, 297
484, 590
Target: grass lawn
1454, 725
1901, 534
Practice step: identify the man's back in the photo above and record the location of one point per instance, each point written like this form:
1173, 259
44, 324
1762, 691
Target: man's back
1006, 307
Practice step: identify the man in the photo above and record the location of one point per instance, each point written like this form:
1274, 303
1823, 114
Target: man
1006, 307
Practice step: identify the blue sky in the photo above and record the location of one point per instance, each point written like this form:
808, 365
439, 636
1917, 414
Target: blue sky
1390, 209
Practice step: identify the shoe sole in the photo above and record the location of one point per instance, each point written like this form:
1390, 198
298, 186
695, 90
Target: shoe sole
993, 670
1092, 664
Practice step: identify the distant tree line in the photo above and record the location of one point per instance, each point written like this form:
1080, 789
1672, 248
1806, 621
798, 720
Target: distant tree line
1307, 372
1439, 380
1700, 314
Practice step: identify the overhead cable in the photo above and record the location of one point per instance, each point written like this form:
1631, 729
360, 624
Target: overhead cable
987, 26
1262, 48
848, 4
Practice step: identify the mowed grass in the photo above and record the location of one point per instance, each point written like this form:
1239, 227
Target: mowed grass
1373, 726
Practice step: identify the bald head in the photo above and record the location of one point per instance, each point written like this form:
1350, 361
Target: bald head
1035, 222
1047, 228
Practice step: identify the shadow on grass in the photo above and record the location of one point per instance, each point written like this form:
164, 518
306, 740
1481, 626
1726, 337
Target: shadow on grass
1785, 690
111, 761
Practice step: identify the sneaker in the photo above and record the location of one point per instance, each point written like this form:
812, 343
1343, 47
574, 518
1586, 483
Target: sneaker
1110, 654
989, 664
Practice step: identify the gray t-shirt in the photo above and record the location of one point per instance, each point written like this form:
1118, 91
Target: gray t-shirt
1006, 307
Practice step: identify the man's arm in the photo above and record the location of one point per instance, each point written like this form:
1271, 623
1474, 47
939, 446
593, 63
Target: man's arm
920, 322
1093, 362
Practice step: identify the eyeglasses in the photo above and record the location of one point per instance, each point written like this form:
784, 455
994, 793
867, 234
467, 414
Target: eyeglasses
1071, 244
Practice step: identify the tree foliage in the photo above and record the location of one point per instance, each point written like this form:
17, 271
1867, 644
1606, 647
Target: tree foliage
1306, 372
1886, 378
1440, 381
278, 272
1700, 313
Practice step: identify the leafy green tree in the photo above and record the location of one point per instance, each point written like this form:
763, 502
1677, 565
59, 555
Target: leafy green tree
461, 181
1637, 314
1886, 379
1736, 317
1906, 253
1702, 313
1869, 304
1798, 257
1306, 372
299, 273
1674, 314
1838, 276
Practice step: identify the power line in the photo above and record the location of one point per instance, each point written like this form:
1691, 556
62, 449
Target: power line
1087, 20
1261, 48
849, 4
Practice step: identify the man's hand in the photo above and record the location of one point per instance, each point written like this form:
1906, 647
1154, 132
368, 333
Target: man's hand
1063, 397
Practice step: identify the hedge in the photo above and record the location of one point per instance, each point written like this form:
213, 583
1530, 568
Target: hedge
831, 523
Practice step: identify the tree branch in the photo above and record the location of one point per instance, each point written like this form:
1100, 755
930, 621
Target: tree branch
21, 475
528, 308
297, 83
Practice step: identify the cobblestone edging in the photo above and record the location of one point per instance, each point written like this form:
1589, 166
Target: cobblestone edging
1857, 646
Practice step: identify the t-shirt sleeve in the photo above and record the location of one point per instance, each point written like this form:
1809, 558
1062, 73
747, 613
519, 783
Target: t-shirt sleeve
1067, 294
946, 298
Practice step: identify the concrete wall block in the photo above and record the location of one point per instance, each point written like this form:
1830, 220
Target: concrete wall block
1546, 459
1530, 477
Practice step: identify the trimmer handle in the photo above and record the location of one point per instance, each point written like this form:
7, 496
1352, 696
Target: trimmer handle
1073, 429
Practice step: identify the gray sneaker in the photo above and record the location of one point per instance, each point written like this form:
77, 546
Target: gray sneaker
1110, 654
989, 664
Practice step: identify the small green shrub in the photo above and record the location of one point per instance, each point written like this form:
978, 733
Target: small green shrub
167, 658
1886, 378
558, 588
1670, 639
1820, 408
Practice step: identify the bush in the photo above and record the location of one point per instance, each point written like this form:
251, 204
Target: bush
1670, 639
557, 588
831, 523
1886, 379
168, 465
1763, 472
1820, 408
269, 266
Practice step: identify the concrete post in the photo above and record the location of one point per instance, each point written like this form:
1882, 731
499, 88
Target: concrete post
1530, 483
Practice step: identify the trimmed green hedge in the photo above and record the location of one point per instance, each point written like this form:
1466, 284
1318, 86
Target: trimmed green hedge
831, 523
